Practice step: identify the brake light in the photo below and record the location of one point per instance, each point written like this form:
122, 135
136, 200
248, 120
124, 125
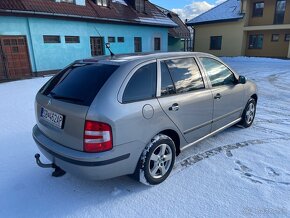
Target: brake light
97, 137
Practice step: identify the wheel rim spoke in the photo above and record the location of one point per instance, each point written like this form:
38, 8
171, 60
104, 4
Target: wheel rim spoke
167, 158
155, 169
154, 157
163, 170
162, 149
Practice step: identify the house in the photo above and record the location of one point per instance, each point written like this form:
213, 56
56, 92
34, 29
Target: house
179, 37
244, 27
41, 36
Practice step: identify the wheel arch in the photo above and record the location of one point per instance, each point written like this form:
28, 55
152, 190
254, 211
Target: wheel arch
174, 136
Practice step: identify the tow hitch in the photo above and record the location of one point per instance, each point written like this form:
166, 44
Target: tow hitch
58, 172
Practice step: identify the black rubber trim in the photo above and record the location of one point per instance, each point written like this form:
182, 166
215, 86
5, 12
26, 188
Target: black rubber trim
85, 163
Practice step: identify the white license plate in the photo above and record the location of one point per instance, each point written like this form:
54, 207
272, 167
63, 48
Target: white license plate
52, 117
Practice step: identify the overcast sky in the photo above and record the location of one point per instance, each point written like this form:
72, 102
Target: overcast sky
187, 9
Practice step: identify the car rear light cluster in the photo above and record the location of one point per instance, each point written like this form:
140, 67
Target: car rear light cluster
97, 137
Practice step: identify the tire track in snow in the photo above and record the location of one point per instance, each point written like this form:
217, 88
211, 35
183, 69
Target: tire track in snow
191, 160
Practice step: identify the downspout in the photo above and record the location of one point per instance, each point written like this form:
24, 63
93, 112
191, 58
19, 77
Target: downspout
32, 48
193, 39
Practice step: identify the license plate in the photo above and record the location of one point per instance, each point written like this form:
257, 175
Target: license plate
53, 118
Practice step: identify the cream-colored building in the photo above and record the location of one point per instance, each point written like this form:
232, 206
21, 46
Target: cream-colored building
244, 27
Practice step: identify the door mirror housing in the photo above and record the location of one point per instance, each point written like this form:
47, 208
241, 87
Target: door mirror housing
242, 80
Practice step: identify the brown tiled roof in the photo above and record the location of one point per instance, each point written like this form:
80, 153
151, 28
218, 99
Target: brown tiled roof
117, 12
180, 31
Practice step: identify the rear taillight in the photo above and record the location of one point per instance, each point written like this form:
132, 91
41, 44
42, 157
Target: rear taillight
97, 137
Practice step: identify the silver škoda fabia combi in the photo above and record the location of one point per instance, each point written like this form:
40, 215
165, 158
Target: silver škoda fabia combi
133, 114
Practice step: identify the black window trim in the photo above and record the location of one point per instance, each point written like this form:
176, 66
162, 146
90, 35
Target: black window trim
210, 44
207, 76
130, 75
275, 34
203, 76
253, 11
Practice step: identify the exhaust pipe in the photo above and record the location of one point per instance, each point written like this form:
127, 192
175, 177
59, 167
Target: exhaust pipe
58, 172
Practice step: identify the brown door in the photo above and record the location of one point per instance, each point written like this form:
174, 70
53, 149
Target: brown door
97, 46
15, 57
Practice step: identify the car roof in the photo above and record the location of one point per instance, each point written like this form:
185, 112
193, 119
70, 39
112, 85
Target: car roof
125, 58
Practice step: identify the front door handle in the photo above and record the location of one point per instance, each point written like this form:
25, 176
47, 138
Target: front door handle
174, 107
218, 96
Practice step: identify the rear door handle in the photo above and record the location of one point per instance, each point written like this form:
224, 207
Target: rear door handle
174, 107
218, 96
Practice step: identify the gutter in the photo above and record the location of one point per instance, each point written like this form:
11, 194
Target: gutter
83, 17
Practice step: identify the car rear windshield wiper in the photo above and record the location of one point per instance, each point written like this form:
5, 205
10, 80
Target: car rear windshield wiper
55, 96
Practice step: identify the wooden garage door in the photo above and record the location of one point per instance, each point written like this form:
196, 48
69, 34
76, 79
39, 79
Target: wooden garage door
14, 57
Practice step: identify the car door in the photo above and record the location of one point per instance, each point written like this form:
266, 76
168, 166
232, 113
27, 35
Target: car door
228, 94
185, 98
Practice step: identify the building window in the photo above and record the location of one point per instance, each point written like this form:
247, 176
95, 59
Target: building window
215, 43
138, 44
140, 5
68, 1
280, 12
121, 39
258, 9
72, 39
103, 3
287, 37
51, 39
275, 38
157, 44
256, 41
111, 39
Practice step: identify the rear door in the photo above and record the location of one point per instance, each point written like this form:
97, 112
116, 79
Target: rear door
228, 94
185, 98
62, 104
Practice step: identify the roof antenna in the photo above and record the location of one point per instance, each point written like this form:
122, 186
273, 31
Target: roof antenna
108, 46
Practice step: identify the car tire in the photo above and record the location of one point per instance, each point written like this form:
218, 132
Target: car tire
157, 160
249, 113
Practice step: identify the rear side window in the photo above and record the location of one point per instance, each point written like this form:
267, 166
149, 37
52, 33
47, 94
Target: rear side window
79, 83
185, 74
218, 73
142, 85
167, 86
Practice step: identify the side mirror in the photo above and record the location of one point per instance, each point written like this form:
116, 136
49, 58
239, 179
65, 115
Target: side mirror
242, 80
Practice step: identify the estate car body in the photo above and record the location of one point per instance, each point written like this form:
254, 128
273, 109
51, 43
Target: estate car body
132, 114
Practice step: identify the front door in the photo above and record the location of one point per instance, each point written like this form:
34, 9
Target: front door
97, 46
14, 57
228, 94
185, 99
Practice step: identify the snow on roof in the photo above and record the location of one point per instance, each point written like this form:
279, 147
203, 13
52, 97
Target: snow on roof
228, 10
120, 2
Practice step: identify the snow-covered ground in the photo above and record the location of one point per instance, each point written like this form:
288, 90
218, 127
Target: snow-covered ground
237, 173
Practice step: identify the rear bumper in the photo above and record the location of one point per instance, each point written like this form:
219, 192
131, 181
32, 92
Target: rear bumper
121, 160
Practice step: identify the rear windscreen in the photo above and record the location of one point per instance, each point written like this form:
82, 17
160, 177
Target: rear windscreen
79, 83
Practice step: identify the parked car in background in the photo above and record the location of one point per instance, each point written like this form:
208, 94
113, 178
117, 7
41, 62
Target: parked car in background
133, 114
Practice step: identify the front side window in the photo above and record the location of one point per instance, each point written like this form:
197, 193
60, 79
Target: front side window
215, 43
258, 9
280, 11
217, 72
255, 41
185, 74
142, 85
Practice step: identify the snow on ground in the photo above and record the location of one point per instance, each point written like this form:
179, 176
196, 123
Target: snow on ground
237, 173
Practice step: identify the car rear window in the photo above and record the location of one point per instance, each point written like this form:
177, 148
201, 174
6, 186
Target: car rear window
79, 83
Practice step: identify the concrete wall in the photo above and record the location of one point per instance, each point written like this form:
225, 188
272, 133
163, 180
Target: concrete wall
53, 56
270, 49
268, 13
232, 38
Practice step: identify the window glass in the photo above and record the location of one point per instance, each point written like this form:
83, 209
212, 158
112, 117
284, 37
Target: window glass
215, 43
51, 39
111, 39
72, 39
142, 85
275, 38
167, 87
157, 44
255, 41
79, 83
185, 74
258, 9
218, 73
280, 11
287, 37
